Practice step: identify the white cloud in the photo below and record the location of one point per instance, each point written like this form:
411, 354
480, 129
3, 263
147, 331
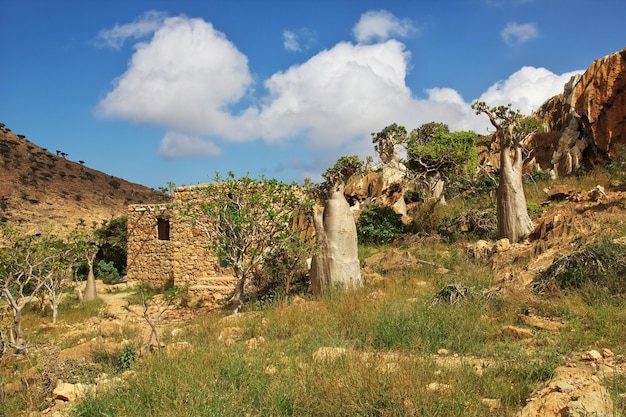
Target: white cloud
144, 25
378, 26
290, 41
517, 33
180, 145
526, 89
184, 78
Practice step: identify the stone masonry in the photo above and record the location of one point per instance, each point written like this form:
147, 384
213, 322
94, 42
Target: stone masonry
165, 251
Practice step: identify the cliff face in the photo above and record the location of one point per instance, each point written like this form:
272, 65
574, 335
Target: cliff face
587, 122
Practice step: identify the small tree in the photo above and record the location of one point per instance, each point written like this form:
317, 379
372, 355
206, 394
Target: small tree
512, 130
245, 220
87, 246
26, 265
387, 141
337, 260
436, 155
60, 265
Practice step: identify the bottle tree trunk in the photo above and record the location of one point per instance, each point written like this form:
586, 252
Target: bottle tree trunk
514, 222
90, 287
337, 263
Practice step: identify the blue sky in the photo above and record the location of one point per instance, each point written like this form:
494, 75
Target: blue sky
173, 91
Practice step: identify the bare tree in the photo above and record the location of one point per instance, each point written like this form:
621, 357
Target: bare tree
512, 130
87, 246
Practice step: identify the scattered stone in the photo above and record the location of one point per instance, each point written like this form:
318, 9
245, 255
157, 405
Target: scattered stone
438, 387
593, 355
178, 347
441, 271
109, 328
480, 250
606, 353
270, 370
493, 403
254, 343
71, 392
565, 387
229, 336
541, 323
517, 333
502, 245
328, 354
443, 352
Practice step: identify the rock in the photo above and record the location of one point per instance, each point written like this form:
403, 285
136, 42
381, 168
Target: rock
443, 352
438, 387
502, 245
493, 403
586, 119
593, 355
328, 354
229, 336
516, 333
480, 250
606, 353
71, 392
178, 347
541, 323
254, 343
109, 328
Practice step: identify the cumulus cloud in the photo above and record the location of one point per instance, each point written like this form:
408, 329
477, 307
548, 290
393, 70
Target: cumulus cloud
144, 25
184, 78
517, 33
526, 89
188, 75
381, 25
181, 145
290, 41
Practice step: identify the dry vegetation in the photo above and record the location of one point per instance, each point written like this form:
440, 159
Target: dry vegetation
433, 332
39, 188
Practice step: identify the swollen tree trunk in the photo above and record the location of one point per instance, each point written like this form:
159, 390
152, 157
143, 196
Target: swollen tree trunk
90, 287
337, 261
514, 222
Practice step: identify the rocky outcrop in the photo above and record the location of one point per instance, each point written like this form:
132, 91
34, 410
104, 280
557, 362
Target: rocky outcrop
587, 122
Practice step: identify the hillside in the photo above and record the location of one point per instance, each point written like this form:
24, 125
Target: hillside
39, 188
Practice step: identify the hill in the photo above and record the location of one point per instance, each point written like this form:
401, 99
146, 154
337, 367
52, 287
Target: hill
39, 188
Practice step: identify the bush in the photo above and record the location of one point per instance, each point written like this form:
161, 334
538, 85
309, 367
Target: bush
378, 225
106, 272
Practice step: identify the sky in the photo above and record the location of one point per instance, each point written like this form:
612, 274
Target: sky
173, 91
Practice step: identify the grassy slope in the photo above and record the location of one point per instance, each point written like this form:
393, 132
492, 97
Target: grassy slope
391, 332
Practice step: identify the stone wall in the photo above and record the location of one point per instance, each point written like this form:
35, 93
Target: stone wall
149, 258
178, 254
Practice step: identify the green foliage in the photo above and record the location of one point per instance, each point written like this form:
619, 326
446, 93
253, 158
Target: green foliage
433, 148
106, 271
601, 265
343, 170
378, 225
112, 237
245, 219
386, 140
127, 358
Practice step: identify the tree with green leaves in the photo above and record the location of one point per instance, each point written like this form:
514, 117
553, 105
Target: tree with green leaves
435, 155
336, 263
512, 131
387, 141
245, 221
27, 263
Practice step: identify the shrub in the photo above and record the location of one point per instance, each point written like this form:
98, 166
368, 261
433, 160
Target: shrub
128, 357
378, 225
106, 271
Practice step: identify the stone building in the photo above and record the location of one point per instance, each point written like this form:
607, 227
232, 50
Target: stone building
165, 252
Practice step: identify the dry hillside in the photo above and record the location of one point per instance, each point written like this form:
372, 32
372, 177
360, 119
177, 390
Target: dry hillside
39, 188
